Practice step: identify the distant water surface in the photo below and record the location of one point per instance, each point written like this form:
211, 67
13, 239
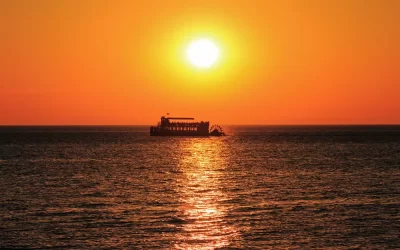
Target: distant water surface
261, 187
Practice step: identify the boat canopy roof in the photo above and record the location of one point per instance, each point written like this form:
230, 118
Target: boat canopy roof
178, 118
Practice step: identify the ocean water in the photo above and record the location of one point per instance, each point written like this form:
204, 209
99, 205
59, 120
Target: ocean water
261, 187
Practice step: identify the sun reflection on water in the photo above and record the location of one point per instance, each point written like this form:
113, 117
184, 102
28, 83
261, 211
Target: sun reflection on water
202, 199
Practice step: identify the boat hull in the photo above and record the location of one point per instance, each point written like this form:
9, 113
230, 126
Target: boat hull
178, 133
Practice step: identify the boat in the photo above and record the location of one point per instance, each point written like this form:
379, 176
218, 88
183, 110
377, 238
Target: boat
184, 126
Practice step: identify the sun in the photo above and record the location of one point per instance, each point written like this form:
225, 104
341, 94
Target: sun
202, 53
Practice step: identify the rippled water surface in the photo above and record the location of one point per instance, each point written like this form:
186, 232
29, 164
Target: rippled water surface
259, 187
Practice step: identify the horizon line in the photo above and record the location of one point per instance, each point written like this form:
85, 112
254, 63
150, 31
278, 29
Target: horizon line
254, 124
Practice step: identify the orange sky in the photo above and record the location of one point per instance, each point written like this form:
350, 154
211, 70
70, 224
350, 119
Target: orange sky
120, 62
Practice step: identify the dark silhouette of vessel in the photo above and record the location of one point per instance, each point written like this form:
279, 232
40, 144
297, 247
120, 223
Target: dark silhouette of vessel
180, 126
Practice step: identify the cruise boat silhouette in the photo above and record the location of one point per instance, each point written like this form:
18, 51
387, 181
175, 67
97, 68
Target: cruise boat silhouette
184, 126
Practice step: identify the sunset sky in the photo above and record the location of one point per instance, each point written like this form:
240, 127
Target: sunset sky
123, 62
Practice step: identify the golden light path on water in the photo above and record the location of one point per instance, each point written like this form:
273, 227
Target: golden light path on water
202, 196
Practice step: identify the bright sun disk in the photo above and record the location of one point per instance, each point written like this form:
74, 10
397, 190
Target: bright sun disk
202, 53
